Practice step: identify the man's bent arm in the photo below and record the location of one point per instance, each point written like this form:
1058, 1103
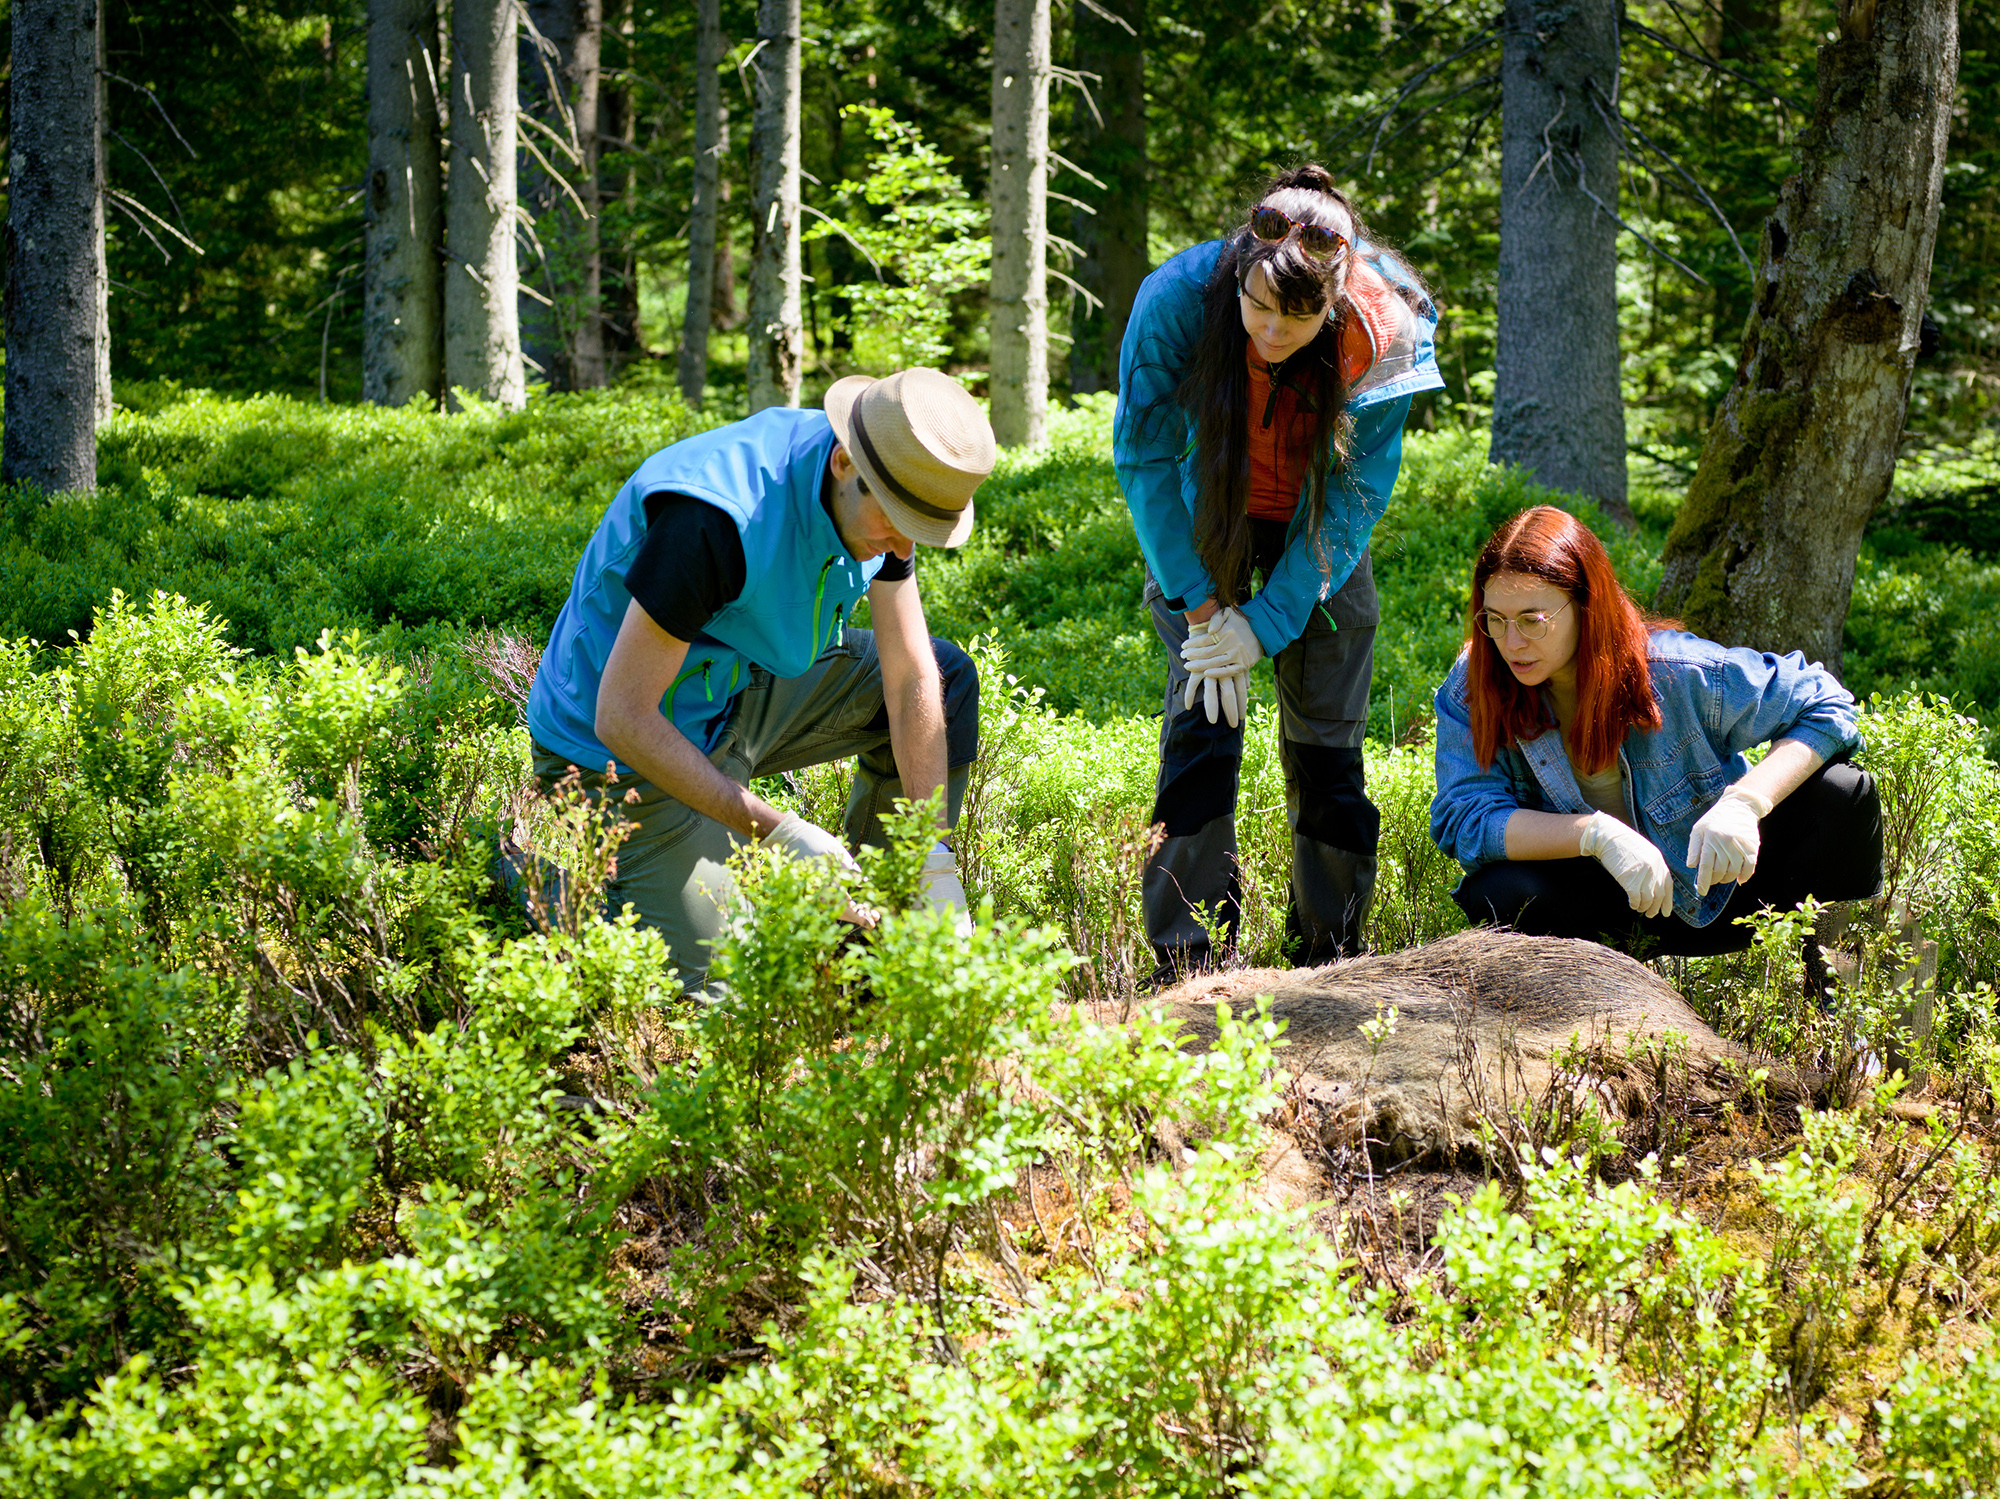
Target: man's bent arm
643, 663
911, 686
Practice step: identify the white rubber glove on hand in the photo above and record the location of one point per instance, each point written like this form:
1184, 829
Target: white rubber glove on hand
942, 889
1724, 843
799, 839
1635, 864
1218, 656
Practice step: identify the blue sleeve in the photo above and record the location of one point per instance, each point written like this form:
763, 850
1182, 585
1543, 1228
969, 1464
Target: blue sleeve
1150, 434
1357, 494
1470, 810
1756, 697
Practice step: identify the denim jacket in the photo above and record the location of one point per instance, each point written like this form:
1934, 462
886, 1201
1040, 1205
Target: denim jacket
1152, 444
1715, 702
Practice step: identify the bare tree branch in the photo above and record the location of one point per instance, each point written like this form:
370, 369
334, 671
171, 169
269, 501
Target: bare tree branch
1619, 123
157, 105
1763, 89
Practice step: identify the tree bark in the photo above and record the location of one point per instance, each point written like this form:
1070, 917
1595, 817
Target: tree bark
777, 336
482, 327
711, 142
55, 232
560, 71
402, 299
1804, 445
1558, 409
618, 284
102, 404
1114, 152
1019, 386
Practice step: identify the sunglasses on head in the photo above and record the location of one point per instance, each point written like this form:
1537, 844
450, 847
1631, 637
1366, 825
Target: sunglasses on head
1271, 225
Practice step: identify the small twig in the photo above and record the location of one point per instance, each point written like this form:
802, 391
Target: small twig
841, 229
1608, 213
1699, 191
1073, 202
1627, 23
1112, 16
157, 105
130, 201
116, 202
560, 180
1067, 165
172, 201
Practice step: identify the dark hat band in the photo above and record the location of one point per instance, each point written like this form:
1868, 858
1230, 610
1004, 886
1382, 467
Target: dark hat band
881, 471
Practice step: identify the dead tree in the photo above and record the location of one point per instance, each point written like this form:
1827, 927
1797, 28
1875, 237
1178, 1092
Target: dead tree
1108, 141
562, 323
1803, 447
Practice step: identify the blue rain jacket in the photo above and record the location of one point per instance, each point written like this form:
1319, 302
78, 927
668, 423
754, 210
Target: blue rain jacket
800, 585
1152, 442
1715, 702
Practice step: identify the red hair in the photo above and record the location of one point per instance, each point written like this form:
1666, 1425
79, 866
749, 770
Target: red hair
1614, 690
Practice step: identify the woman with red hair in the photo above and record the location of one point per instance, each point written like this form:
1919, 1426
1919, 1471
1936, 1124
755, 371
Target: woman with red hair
1590, 767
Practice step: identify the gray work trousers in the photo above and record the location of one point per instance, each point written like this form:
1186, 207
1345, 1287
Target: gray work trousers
1322, 682
671, 869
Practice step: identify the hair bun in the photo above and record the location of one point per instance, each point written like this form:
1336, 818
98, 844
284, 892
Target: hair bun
1309, 175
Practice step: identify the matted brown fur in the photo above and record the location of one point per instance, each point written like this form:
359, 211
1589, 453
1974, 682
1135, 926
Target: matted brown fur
1486, 1022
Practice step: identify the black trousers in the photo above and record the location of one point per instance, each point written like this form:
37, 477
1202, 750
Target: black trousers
1824, 840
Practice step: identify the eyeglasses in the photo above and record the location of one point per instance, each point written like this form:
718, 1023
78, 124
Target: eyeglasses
1271, 225
1533, 625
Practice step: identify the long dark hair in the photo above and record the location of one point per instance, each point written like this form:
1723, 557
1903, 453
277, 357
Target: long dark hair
1214, 389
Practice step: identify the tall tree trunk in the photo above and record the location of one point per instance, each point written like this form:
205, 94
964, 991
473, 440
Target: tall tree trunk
55, 228
482, 327
1558, 410
1020, 300
402, 299
1113, 238
618, 261
1804, 445
102, 403
777, 339
711, 142
560, 71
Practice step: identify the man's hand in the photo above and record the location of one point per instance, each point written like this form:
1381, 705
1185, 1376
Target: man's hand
799, 839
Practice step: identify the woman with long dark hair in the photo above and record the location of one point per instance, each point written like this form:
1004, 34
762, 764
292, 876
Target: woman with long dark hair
1590, 766
1264, 381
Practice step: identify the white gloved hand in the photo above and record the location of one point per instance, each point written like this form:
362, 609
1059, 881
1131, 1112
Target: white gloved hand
1218, 655
1723, 846
799, 839
1228, 647
1634, 863
942, 889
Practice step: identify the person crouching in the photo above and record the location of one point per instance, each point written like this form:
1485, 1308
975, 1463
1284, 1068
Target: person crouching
1590, 769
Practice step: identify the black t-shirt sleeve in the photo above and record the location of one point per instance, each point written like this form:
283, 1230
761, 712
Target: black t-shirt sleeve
690, 566
895, 569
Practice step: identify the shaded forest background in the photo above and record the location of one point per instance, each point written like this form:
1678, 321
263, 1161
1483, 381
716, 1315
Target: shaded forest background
242, 130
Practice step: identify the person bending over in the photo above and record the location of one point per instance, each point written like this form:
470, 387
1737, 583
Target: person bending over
1264, 380
705, 640
1590, 766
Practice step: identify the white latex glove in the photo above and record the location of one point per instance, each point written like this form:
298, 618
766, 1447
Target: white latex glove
1218, 655
1227, 648
1724, 843
942, 889
799, 839
1633, 861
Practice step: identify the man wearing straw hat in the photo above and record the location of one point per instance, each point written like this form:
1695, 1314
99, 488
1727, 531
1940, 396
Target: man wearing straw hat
705, 640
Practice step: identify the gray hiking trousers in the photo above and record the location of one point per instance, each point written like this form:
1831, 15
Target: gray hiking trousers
1323, 717
671, 870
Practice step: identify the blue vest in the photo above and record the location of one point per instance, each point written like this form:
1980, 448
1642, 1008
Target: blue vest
800, 581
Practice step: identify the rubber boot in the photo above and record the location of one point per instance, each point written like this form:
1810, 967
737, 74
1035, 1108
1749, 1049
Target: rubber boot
1195, 869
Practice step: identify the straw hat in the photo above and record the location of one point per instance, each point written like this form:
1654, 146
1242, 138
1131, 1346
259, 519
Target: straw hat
923, 445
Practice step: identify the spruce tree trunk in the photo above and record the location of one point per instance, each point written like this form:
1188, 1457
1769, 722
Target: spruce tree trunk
777, 336
1019, 387
482, 328
711, 141
55, 233
560, 74
1558, 410
402, 299
1804, 445
618, 261
103, 337
1113, 238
